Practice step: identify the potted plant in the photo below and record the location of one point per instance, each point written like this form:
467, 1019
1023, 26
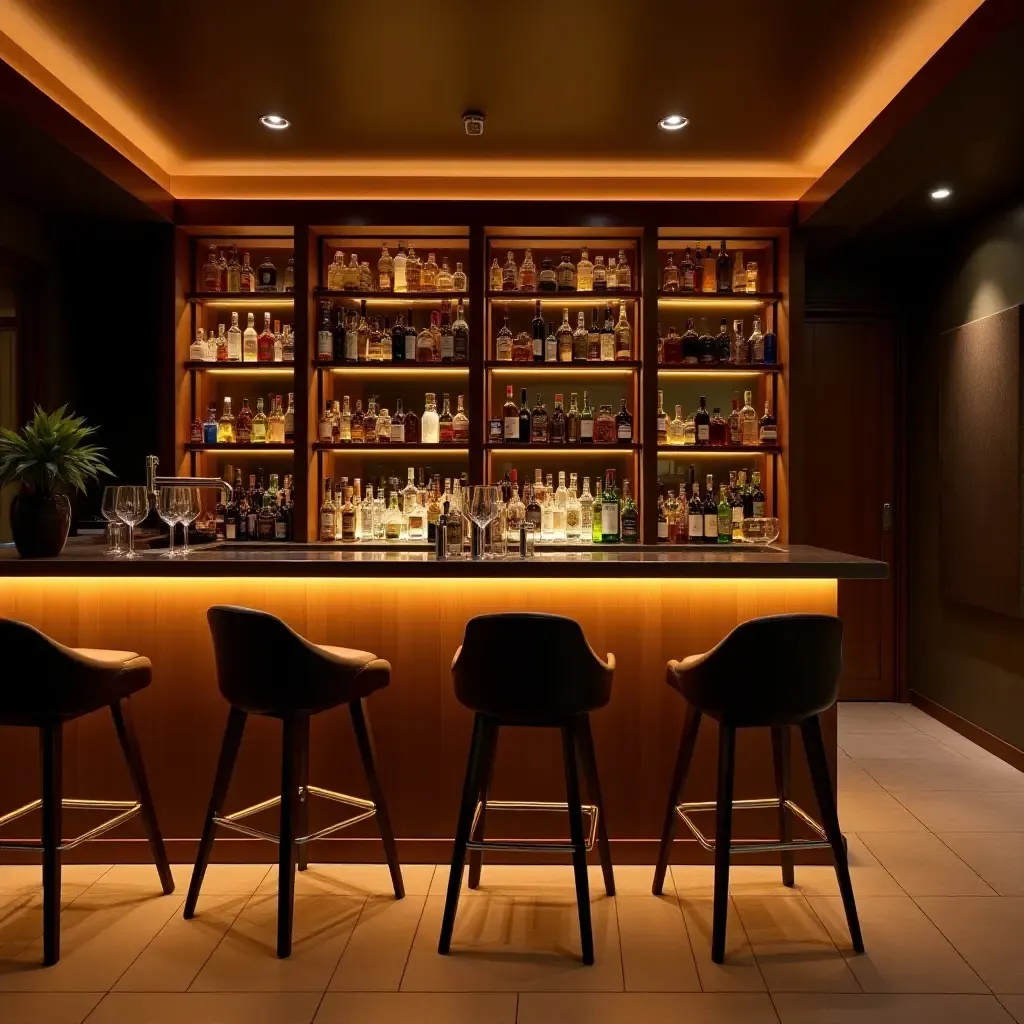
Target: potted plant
47, 458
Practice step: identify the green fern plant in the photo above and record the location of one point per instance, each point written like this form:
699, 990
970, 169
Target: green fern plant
48, 453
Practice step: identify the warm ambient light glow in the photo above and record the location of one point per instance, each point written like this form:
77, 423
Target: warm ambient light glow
941, 193
402, 450
713, 301
274, 122
262, 371
686, 450
673, 122
546, 449
377, 369
739, 371
545, 370
257, 298
563, 299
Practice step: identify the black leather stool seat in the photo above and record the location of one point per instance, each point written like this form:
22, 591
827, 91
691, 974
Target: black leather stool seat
47, 686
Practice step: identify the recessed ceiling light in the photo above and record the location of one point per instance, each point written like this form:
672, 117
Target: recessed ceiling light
673, 122
274, 121
941, 193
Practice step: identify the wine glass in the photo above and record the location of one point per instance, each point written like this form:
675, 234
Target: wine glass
189, 507
132, 508
109, 510
483, 507
167, 508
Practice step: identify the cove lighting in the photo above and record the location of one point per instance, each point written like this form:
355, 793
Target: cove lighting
673, 122
274, 121
941, 193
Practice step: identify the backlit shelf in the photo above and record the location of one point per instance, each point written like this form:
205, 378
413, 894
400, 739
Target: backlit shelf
684, 450
392, 298
393, 449
718, 299
254, 449
603, 298
579, 449
595, 366
233, 367
719, 369
254, 297
374, 368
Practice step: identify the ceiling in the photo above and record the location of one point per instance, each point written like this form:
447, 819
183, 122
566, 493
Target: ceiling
375, 92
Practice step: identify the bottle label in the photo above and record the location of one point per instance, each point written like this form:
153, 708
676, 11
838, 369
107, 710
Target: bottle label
538, 348
252, 525
280, 530
662, 529
662, 422
711, 526
609, 518
512, 428
758, 510
230, 530
769, 434
703, 432
398, 433
410, 348
737, 515
447, 347
625, 432
324, 344
351, 346
551, 352
587, 428
696, 525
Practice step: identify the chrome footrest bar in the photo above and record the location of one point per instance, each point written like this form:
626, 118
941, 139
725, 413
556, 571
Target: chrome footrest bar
531, 845
128, 809
756, 845
233, 821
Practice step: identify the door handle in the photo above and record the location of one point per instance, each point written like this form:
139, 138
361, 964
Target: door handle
887, 517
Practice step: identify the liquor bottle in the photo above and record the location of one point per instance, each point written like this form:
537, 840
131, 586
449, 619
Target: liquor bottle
326, 340
328, 513
689, 432
595, 532
690, 344
374, 348
288, 349
662, 419
265, 342
398, 266
769, 432
211, 271
356, 424
260, 424
195, 433
600, 275
551, 345
397, 425
695, 519
537, 327
385, 270
459, 281
608, 337
584, 273
739, 272
460, 422
624, 273
288, 278
706, 344
748, 421
662, 520
410, 339
735, 432
724, 517
560, 501
572, 421
558, 428
433, 509
672, 348
755, 343
335, 272
539, 423
198, 350
393, 521
709, 278
688, 283
447, 346
723, 270
564, 336
565, 274
370, 421
494, 276
605, 426
428, 276
226, 424
278, 342
757, 506
547, 514
398, 341
580, 340
533, 509
444, 422
413, 271
228, 348
771, 342
510, 416
719, 429
509, 274
722, 345
593, 338
623, 336
676, 428
573, 510
586, 421
425, 342
746, 493
702, 424
266, 276
503, 342
613, 280
670, 276
527, 280
630, 518
525, 420
254, 502
610, 510
586, 513
522, 348
623, 424
547, 279
249, 342
348, 518
752, 278
430, 426
460, 334
736, 507
740, 348
324, 433
243, 423
412, 427
384, 427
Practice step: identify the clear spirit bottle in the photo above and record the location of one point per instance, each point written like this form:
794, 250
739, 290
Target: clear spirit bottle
336, 272
528, 273
365, 519
584, 273
385, 270
393, 521
561, 502
430, 423
670, 276
740, 347
211, 271
565, 274
600, 275
409, 491
494, 276
675, 428
234, 271
608, 337
586, 513
547, 513
413, 271
398, 268
444, 277
460, 423
428, 276
459, 281
748, 421
249, 345
198, 350
503, 342
509, 275
623, 274
580, 340
565, 339
739, 272
755, 343
623, 336
573, 513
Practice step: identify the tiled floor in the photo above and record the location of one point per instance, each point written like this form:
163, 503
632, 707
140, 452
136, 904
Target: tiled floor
936, 836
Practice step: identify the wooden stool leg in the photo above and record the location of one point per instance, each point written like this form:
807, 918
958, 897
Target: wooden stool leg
51, 739
364, 738
780, 758
687, 745
291, 760
140, 784
818, 763
225, 764
303, 854
476, 857
470, 793
588, 762
579, 853
723, 838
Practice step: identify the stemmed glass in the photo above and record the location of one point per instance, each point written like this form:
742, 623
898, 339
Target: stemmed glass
483, 508
132, 508
189, 507
168, 512
109, 510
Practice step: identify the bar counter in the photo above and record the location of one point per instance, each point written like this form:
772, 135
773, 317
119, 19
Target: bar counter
644, 605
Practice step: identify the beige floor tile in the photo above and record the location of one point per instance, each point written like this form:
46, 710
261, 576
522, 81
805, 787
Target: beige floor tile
20, 878
541, 881
630, 880
47, 1007
958, 812
100, 938
799, 1008
997, 856
882, 723
869, 877
356, 880
422, 1007
645, 1008
908, 743
176, 955
506, 945
740, 972
894, 773
207, 1008
875, 811
793, 950
1015, 1006
219, 880
21, 920
246, 959
904, 951
851, 777
375, 956
656, 955
923, 865
987, 931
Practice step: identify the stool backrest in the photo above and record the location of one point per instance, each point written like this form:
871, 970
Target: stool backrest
529, 668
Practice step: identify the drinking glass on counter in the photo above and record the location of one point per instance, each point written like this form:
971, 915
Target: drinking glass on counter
114, 527
132, 508
167, 508
483, 507
189, 506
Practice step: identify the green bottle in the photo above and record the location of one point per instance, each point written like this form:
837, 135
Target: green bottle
610, 510
724, 517
630, 517
597, 513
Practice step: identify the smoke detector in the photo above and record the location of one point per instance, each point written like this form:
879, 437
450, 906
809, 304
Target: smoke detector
474, 122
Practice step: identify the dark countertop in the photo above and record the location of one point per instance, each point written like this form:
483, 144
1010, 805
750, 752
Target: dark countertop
86, 557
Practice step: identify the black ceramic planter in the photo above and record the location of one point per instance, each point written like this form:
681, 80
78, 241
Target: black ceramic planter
40, 523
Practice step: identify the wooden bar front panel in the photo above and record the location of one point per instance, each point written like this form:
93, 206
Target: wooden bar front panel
422, 733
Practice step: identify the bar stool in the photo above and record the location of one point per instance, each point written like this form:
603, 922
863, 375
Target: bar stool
62, 684
565, 684
265, 668
773, 672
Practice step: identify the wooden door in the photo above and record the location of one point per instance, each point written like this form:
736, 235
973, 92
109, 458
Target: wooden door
850, 464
